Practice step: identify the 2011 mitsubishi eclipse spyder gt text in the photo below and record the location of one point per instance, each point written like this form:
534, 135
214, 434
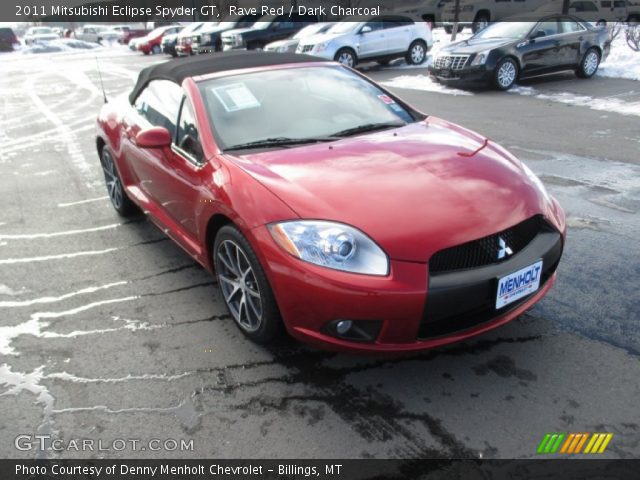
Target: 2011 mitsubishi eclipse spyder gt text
325, 204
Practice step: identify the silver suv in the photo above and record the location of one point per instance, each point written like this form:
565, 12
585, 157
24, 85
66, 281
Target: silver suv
380, 38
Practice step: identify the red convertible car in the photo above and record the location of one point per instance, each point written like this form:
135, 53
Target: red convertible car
327, 205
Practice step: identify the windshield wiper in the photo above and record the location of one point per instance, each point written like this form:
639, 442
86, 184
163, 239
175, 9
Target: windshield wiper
278, 142
367, 127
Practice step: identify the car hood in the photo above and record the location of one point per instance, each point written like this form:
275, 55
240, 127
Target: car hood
475, 45
415, 190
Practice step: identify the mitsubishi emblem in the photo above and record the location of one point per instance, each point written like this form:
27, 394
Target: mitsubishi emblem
503, 249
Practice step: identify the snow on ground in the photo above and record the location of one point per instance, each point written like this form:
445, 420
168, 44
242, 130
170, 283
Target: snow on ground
622, 62
606, 104
423, 82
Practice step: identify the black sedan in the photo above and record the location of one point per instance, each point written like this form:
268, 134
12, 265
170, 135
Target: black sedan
506, 51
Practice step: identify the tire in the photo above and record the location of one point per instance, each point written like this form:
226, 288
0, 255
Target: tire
347, 57
245, 288
156, 49
417, 53
218, 47
589, 64
117, 194
480, 23
505, 74
255, 46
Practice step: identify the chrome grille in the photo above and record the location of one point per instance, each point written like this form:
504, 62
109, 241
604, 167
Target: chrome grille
453, 62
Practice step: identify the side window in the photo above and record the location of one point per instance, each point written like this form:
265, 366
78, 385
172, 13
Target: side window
569, 26
549, 28
375, 25
159, 103
188, 139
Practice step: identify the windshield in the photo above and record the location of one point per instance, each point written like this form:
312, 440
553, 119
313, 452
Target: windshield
296, 103
505, 30
344, 27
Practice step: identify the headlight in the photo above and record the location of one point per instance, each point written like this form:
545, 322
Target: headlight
331, 245
481, 58
320, 47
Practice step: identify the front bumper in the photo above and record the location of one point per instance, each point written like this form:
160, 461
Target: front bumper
415, 311
480, 74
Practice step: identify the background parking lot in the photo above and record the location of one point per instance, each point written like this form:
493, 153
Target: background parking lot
108, 330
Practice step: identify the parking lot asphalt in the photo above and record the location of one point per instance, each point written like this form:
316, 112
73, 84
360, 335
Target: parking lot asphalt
109, 331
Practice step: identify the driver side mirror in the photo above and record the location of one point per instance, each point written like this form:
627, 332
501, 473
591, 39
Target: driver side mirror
538, 34
155, 137
365, 29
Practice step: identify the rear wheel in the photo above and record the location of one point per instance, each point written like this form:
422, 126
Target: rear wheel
123, 205
589, 64
244, 285
417, 53
346, 57
505, 74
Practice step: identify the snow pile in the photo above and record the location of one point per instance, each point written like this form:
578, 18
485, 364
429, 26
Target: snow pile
622, 61
60, 45
607, 104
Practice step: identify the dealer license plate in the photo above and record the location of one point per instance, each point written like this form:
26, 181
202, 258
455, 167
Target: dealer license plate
518, 284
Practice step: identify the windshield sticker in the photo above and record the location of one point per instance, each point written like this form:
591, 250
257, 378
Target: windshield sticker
236, 97
386, 99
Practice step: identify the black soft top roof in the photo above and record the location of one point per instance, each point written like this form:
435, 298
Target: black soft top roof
179, 69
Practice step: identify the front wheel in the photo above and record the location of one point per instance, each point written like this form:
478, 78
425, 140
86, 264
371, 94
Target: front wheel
589, 64
244, 285
505, 74
417, 53
346, 57
122, 204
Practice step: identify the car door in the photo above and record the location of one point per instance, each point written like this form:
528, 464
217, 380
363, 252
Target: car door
397, 31
542, 52
572, 35
156, 106
371, 39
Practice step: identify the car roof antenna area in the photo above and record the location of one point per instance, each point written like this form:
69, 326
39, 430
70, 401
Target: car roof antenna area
104, 94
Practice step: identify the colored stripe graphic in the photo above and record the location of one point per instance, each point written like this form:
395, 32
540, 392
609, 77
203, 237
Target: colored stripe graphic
572, 443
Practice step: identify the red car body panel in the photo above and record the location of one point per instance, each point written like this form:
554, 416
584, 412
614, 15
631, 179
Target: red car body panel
430, 180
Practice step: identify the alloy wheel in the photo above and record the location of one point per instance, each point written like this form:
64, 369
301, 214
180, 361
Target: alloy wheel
114, 187
346, 58
417, 54
506, 74
239, 285
590, 63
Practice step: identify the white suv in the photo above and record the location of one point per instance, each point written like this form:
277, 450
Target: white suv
381, 38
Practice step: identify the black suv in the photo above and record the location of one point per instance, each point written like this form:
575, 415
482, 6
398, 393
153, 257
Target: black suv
7, 39
266, 30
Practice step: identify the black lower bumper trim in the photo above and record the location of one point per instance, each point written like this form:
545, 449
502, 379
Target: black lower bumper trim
461, 300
